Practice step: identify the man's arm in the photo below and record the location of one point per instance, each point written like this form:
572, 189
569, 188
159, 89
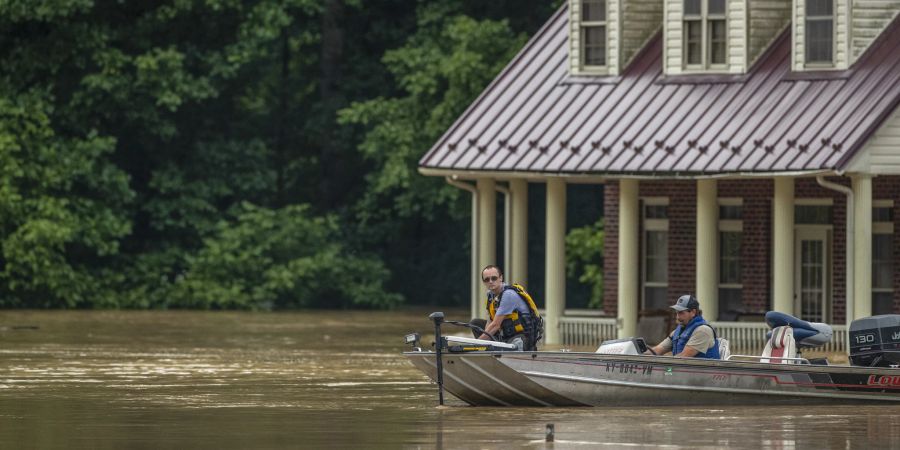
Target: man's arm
688, 352
662, 348
493, 327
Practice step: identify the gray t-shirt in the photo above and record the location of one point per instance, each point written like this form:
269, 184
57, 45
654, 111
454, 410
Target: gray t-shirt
509, 302
701, 340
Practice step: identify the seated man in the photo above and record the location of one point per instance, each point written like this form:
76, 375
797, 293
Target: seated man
693, 337
512, 319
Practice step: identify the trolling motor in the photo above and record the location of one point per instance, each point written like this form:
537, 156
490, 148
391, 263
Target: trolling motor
438, 317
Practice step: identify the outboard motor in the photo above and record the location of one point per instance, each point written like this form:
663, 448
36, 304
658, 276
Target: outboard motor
806, 334
875, 341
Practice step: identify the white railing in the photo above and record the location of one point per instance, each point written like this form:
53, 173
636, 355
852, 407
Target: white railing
589, 329
586, 331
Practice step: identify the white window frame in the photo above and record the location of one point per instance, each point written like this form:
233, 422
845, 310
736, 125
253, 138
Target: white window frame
806, 19
705, 44
730, 226
582, 24
652, 225
883, 228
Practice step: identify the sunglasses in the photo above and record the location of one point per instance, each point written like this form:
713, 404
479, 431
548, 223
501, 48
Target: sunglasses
493, 278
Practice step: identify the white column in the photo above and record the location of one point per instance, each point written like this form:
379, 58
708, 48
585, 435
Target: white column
862, 246
487, 230
628, 258
783, 246
707, 268
555, 277
518, 265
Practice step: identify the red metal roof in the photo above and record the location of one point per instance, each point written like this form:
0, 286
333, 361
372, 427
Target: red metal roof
535, 117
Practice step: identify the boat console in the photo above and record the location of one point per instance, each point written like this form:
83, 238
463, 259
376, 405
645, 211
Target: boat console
875, 341
806, 334
627, 346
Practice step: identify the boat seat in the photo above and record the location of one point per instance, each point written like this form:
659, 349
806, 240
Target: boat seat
780, 345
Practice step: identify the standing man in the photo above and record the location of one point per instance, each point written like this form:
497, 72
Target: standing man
513, 316
693, 337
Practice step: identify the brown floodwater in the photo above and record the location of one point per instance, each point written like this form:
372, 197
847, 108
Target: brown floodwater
175, 379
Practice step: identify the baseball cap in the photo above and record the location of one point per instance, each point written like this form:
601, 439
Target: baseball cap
686, 302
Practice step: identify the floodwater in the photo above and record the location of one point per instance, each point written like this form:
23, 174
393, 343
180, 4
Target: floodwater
324, 379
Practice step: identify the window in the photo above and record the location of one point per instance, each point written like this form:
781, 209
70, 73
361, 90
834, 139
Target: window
813, 214
705, 34
593, 33
731, 229
820, 31
656, 254
882, 257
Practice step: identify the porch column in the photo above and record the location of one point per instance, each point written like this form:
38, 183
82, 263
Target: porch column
518, 264
555, 259
487, 230
628, 258
862, 246
783, 246
707, 240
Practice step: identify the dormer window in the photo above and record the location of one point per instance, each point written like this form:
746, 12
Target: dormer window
593, 33
705, 34
819, 32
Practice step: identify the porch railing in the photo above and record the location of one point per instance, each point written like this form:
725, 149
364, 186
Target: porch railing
583, 329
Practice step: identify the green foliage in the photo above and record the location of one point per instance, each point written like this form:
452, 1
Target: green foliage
280, 259
441, 70
584, 259
60, 208
133, 135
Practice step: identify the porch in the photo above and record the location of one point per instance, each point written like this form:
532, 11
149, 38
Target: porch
586, 328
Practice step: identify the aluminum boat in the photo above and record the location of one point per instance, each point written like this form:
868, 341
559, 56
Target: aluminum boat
486, 373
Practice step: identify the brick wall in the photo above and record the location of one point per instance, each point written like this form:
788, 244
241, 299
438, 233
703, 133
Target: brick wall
756, 252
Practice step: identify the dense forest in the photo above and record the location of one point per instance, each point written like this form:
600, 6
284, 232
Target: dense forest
255, 154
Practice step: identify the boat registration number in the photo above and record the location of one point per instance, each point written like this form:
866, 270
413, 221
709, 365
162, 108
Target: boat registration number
623, 367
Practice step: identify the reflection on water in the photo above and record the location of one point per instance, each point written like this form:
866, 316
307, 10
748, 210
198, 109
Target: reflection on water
323, 379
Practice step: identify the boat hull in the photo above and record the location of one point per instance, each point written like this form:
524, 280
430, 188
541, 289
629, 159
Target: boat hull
589, 379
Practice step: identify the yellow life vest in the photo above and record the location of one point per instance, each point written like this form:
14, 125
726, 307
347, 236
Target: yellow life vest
516, 324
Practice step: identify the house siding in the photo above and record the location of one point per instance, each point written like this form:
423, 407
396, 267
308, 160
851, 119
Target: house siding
883, 150
756, 250
767, 18
870, 17
643, 19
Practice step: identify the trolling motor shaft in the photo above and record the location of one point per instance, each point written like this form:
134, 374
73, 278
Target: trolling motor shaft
438, 318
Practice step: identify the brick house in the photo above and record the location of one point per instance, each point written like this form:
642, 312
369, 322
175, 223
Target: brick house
750, 153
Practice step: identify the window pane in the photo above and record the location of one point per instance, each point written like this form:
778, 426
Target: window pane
656, 297
715, 7
882, 303
882, 214
819, 7
656, 211
812, 214
730, 304
730, 212
657, 263
730, 258
819, 40
882, 261
692, 7
692, 35
593, 10
717, 42
594, 45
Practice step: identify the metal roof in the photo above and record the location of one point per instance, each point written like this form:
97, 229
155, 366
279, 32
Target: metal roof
535, 117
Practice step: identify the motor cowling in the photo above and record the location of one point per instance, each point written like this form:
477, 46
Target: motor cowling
875, 341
